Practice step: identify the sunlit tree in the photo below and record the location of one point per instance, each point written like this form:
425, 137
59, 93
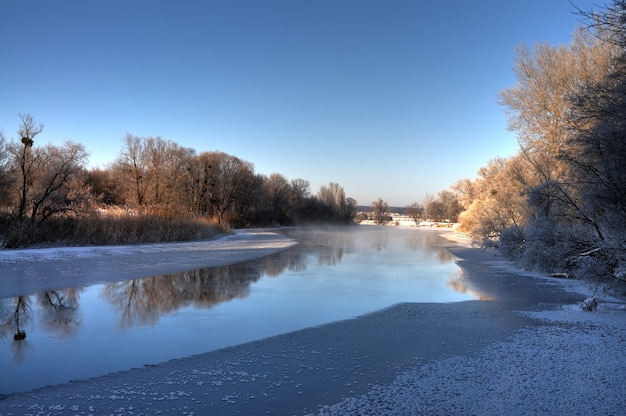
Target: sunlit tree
131, 167
415, 211
380, 211
495, 204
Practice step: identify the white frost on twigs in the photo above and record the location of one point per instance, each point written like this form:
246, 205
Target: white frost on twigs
589, 304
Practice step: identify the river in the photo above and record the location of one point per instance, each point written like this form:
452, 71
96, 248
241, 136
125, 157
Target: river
333, 274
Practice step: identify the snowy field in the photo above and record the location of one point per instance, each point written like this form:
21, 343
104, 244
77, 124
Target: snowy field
529, 350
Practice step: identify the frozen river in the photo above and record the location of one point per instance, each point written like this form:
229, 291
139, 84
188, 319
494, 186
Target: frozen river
70, 333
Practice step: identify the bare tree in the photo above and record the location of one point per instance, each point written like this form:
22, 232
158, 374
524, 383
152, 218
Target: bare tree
43, 177
195, 183
131, 166
278, 191
229, 185
26, 161
301, 189
5, 170
380, 211
333, 197
415, 211
433, 208
450, 205
58, 168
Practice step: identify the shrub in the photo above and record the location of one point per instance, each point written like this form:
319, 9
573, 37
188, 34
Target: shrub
547, 246
512, 243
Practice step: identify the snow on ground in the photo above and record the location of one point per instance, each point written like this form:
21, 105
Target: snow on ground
572, 365
466, 358
240, 239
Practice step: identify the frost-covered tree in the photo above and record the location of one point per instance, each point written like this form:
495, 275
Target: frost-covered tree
540, 111
596, 151
539, 106
493, 202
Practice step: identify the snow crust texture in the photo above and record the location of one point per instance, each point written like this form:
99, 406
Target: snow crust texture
573, 365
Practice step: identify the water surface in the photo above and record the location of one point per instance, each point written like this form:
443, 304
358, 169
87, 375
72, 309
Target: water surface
333, 274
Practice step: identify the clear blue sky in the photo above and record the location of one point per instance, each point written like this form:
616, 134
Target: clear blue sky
391, 99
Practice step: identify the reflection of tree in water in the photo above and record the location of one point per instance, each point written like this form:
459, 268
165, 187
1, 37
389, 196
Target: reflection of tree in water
60, 310
380, 240
275, 265
142, 301
330, 256
426, 241
328, 245
457, 284
15, 314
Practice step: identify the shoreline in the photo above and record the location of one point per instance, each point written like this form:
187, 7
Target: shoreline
61, 267
370, 363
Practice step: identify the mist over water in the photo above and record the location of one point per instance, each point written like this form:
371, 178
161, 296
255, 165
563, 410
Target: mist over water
333, 274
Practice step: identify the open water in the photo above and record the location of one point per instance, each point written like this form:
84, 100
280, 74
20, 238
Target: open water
332, 274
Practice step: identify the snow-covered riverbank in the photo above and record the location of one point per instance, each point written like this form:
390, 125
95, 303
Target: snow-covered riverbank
27, 271
527, 350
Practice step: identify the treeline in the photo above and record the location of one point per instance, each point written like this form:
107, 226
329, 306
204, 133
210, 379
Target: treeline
155, 190
445, 207
559, 204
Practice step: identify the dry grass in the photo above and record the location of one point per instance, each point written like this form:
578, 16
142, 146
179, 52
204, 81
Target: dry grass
99, 228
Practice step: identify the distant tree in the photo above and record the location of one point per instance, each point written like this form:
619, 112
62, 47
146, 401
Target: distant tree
380, 212
415, 211
433, 208
464, 189
332, 196
450, 205
349, 212
333, 200
300, 191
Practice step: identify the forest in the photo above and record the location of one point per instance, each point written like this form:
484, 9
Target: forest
559, 204
155, 190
